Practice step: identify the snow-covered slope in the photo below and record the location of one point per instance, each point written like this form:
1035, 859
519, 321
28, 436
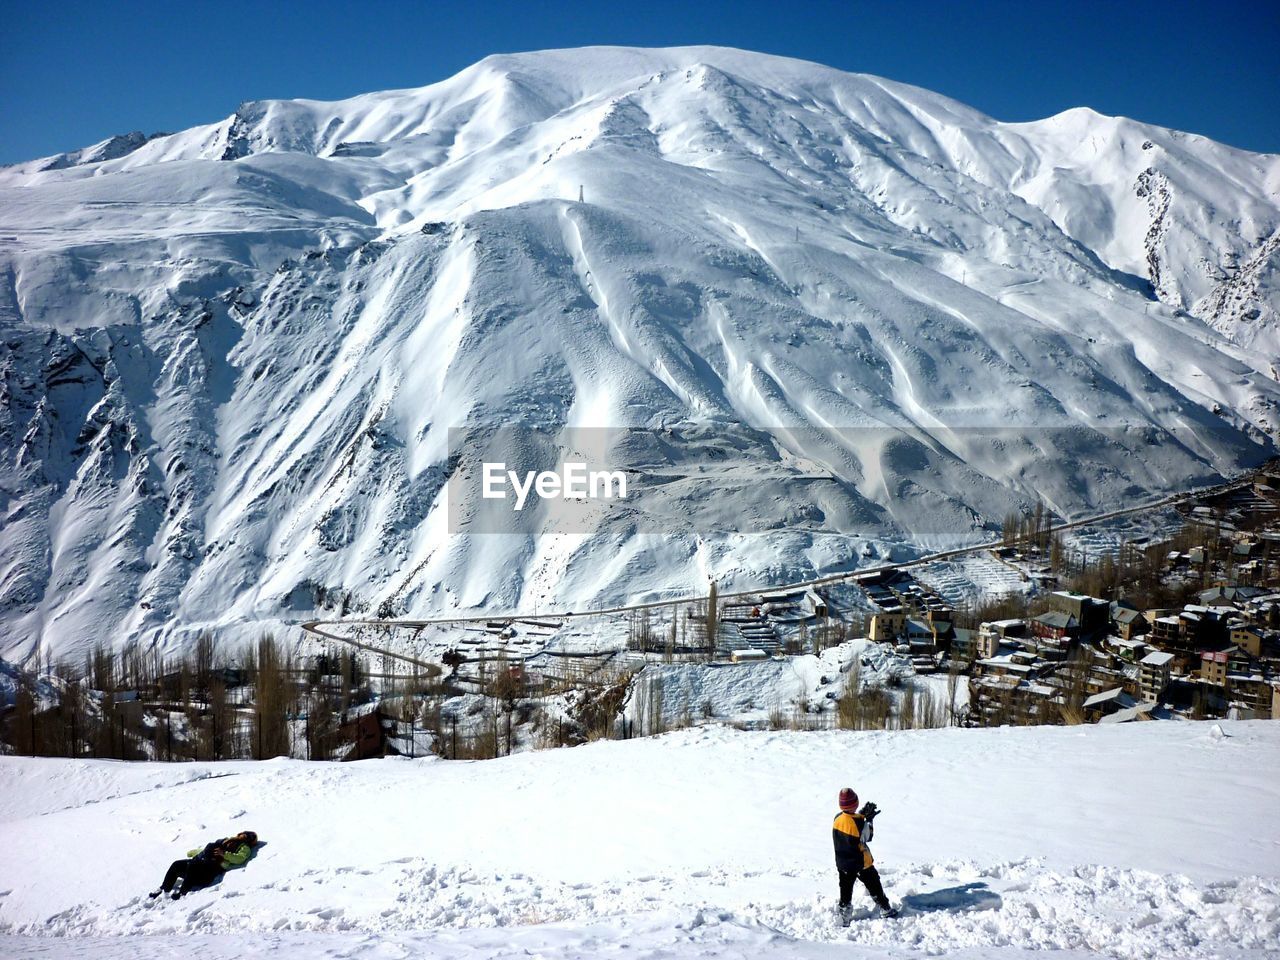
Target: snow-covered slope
841, 313
1137, 841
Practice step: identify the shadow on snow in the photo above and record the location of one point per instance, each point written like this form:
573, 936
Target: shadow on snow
966, 898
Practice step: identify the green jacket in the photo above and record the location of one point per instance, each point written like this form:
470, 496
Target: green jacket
235, 853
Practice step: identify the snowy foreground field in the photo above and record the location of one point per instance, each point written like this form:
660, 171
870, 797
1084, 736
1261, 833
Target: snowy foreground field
1145, 840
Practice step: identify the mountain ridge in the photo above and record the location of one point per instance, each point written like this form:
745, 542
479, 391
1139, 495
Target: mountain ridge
234, 356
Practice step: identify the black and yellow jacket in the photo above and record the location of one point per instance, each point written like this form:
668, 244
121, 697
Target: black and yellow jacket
850, 832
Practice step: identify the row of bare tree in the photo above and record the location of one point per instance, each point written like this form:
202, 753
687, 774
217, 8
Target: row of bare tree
257, 703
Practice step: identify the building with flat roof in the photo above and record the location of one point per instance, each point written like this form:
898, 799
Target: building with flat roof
1153, 675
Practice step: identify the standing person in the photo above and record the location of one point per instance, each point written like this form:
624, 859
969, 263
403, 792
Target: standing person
203, 867
851, 832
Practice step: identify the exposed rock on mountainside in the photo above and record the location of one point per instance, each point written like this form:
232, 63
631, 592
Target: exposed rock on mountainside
841, 315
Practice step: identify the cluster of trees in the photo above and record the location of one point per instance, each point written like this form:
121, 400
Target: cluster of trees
258, 702
1139, 573
491, 706
873, 706
688, 630
1032, 530
484, 726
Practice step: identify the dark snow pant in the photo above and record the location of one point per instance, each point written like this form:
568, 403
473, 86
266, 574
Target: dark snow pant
195, 873
870, 879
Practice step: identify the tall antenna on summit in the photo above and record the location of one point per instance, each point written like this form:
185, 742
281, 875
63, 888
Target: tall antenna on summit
580, 193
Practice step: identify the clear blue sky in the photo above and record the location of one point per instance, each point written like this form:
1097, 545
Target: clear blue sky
73, 73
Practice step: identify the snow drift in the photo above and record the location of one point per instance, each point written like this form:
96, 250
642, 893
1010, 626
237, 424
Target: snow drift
849, 315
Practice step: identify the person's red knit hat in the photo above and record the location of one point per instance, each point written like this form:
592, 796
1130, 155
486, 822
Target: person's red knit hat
848, 799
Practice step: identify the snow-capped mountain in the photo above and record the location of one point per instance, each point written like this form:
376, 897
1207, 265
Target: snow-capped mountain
242, 362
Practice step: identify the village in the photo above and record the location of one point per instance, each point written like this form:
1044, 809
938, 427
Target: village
1185, 628
1188, 625
1185, 625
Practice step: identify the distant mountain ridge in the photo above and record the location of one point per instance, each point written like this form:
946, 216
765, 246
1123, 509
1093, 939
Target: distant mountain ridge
232, 356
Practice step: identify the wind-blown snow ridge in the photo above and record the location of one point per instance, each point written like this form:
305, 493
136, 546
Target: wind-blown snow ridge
232, 355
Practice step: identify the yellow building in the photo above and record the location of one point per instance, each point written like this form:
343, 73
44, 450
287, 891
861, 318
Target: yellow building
1248, 639
887, 627
1213, 667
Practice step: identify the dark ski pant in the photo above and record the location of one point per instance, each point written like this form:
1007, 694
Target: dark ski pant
195, 873
870, 879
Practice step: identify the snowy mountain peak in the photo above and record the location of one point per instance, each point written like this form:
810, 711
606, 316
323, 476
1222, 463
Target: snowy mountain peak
827, 315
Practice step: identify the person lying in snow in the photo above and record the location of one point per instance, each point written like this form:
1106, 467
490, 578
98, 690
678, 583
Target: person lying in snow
203, 867
851, 832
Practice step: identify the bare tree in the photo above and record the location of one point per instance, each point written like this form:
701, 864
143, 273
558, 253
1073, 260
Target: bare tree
272, 700
712, 620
